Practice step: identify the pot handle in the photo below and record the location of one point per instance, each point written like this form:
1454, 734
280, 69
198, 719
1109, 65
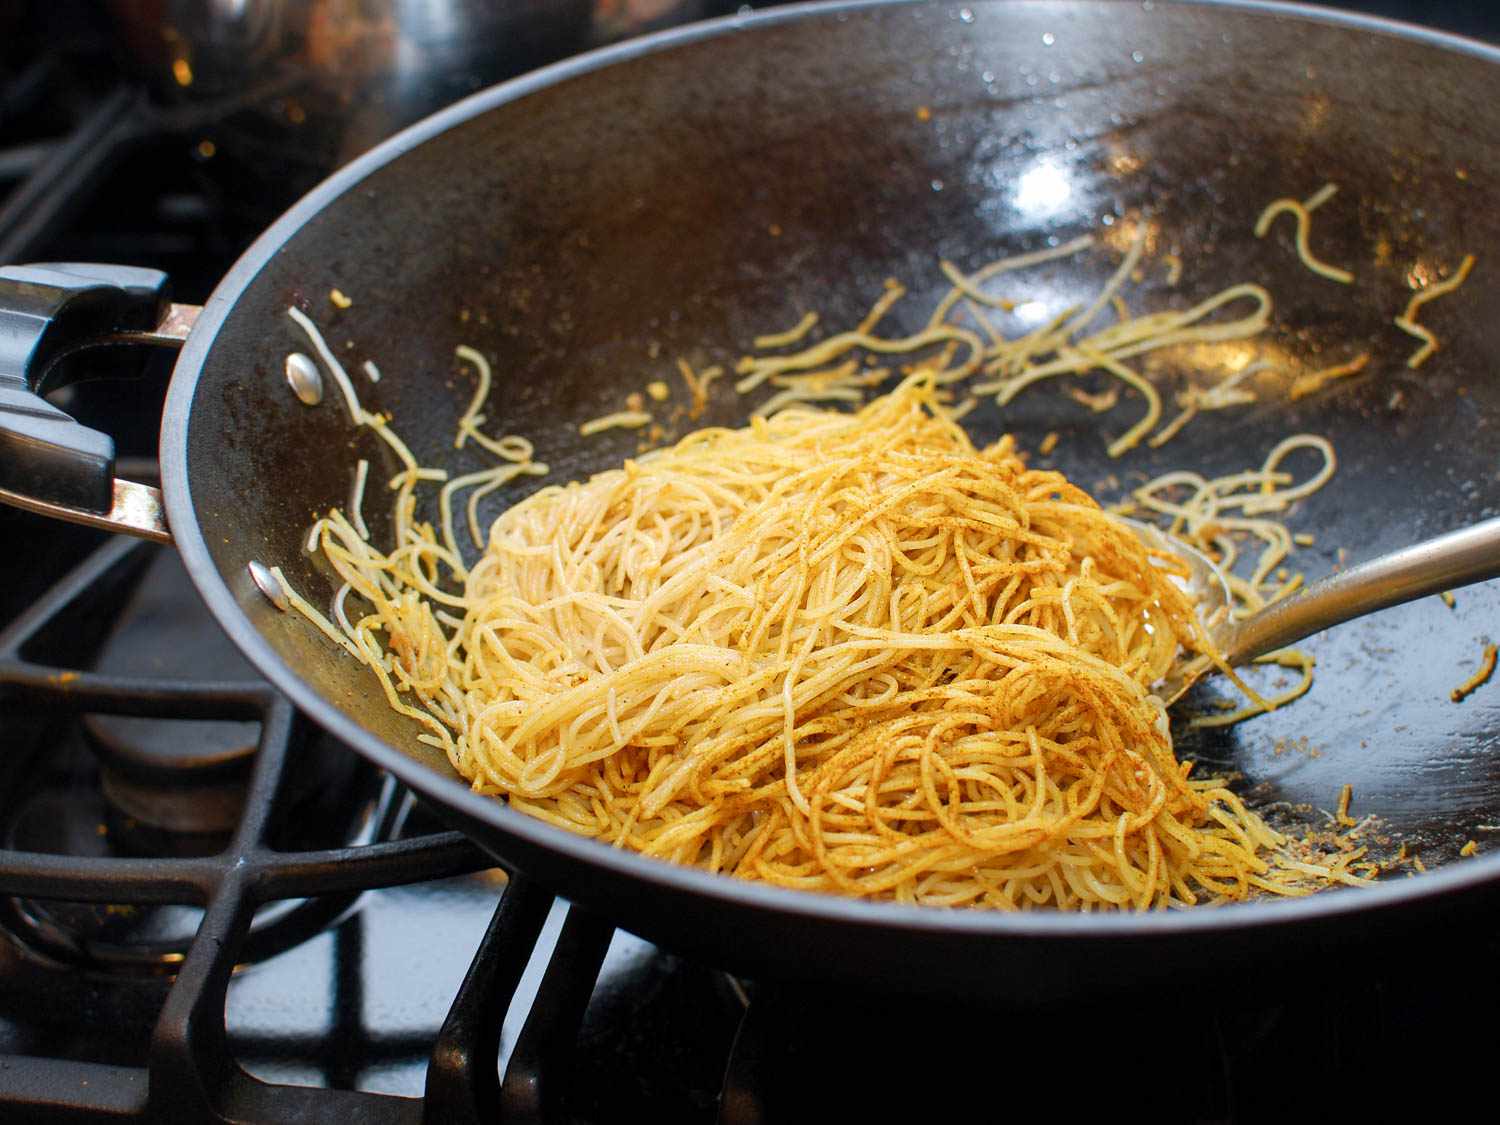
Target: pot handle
48, 462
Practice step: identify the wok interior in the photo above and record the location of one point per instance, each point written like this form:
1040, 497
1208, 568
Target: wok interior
680, 203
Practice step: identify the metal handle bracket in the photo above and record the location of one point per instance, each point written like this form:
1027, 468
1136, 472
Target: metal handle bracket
48, 462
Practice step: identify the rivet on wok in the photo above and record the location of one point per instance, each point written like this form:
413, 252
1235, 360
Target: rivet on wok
306, 381
266, 583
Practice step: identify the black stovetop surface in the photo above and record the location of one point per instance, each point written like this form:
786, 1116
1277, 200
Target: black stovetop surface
366, 979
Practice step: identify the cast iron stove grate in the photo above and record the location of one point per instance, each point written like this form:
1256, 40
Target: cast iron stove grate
190, 1074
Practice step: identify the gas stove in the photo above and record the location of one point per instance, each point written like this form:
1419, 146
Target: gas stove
216, 912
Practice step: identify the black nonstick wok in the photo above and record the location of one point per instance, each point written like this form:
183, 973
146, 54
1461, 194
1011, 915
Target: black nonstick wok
587, 224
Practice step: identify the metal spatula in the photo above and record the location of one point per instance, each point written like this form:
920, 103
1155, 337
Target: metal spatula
1459, 558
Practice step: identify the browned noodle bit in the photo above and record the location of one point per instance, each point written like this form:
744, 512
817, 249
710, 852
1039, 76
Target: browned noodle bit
1407, 321
1480, 677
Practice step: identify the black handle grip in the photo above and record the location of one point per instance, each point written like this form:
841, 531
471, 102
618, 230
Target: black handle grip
46, 311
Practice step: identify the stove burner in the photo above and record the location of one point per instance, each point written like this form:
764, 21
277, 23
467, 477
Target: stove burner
161, 787
75, 819
176, 776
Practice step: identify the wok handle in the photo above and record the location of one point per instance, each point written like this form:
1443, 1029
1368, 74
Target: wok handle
49, 463
1459, 558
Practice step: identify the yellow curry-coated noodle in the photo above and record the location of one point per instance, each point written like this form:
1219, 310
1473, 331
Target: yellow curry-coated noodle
841, 653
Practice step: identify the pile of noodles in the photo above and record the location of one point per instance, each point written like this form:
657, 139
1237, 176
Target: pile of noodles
841, 653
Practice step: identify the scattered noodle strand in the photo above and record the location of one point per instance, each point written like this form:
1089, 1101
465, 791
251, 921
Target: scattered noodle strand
1407, 321
1315, 381
1479, 678
620, 419
471, 417
335, 368
357, 498
792, 335
1302, 212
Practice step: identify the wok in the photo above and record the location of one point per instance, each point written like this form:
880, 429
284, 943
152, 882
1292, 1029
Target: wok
586, 224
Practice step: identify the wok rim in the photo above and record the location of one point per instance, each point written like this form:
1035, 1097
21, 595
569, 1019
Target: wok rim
605, 860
